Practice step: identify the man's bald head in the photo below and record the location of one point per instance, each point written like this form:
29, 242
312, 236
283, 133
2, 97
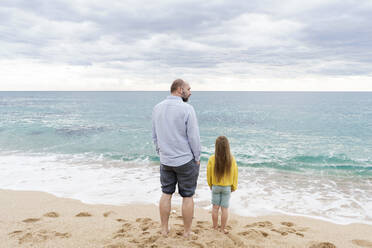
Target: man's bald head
178, 83
181, 88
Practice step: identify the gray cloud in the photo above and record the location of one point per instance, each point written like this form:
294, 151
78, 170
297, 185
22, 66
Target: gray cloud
318, 38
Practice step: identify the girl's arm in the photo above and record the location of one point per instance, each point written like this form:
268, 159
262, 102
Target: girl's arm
209, 173
234, 186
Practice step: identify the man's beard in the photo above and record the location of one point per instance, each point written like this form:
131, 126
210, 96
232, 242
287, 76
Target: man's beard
184, 98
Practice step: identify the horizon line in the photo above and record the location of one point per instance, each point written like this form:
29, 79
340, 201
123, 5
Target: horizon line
274, 91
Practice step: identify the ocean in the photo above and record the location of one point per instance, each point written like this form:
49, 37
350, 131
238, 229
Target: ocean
298, 153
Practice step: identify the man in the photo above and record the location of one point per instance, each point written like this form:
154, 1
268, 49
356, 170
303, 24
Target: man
176, 136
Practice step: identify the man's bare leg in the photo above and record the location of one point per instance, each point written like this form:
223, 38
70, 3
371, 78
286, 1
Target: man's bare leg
215, 216
187, 214
164, 209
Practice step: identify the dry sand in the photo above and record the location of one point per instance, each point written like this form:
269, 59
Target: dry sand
35, 219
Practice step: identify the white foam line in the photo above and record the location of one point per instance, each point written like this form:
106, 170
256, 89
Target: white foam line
95, 182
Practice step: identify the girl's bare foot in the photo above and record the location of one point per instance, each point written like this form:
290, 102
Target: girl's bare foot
225, 231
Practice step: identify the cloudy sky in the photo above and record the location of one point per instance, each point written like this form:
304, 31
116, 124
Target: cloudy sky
215, 45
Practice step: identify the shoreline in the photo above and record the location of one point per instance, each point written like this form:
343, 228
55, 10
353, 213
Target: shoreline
31, 218
203, 206
262, 191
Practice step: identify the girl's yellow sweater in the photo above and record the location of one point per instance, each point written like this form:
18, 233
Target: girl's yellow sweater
226, 180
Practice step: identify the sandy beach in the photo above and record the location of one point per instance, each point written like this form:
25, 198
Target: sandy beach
36, 219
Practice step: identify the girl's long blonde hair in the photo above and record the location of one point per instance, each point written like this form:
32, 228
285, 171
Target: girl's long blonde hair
222, 156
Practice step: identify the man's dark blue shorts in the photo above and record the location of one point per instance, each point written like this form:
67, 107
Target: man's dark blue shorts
185, 175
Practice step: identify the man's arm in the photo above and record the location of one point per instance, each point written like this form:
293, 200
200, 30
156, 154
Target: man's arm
154, 136
193, 135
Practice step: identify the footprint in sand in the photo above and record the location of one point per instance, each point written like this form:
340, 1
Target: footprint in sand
196, 244
303, 229
260, 224
62, 235
228, 227
213, 243
26, 238
287, 230
127, 226
121, 220
37, 237
201, 222
146, 223
106, 214
143, 240
200, 226
83, 214
287, 227
323, 245
123, 232
116, 246
283, 233
236, 240
280, 231
362, 243
31, 220
15, 232
300, 234
51, 215
151, 239
119, 235
134, 241
253, 234
143, 220
288, 224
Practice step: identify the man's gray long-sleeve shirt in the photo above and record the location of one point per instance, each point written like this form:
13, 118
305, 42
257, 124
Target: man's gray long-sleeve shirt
175, 132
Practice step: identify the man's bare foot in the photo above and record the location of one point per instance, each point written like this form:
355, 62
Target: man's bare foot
165, 232
188, 234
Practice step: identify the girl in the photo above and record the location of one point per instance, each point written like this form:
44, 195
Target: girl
222, 176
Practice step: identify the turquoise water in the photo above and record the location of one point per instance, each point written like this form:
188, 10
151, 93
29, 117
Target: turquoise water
325, 135
285, 131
